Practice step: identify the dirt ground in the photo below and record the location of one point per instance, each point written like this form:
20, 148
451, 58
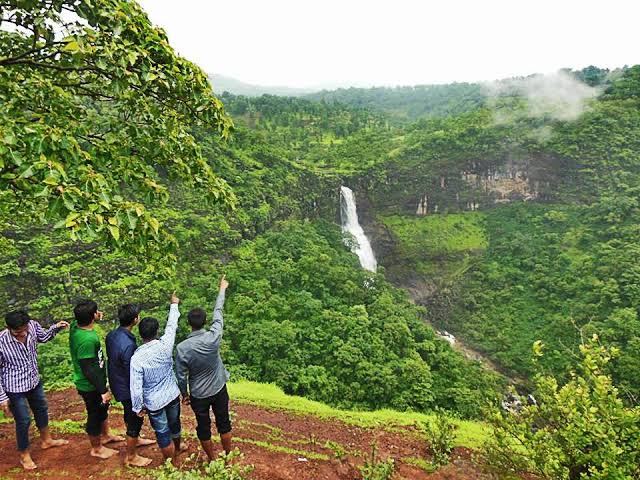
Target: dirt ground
279, 445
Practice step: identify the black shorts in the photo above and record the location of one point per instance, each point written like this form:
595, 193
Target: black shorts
97, 412
131, 420
219, 403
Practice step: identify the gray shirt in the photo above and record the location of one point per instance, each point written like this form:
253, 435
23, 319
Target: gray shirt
198, 359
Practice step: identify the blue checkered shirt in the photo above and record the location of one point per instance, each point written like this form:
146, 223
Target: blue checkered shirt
153, 382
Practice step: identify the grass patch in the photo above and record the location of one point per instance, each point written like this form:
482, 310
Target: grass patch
70, 427
439, 234
280, 449
468, 434
274, 430
436, 246
420, 463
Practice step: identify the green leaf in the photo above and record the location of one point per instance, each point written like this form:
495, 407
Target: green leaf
155, 225
68, 203
60, 224
50, 180
42, 193
70, 221
27, 173
71, 46
115, 232
132, 218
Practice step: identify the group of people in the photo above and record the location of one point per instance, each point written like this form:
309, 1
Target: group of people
142, 378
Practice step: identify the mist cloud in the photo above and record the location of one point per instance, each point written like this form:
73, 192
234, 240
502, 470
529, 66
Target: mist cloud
559, 95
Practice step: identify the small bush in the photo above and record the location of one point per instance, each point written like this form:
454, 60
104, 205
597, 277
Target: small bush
219, 469
339, 452
440, 435
375, 469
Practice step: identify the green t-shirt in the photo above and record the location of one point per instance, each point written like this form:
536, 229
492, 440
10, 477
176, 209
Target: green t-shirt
84, 344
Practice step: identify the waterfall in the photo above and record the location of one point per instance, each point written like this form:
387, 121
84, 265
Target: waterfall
349, 217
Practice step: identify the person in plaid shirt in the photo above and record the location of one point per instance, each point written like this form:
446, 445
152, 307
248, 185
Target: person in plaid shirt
20, 384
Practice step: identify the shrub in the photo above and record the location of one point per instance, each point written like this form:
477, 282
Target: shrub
219, 469
576, 431
440, 435
375, 469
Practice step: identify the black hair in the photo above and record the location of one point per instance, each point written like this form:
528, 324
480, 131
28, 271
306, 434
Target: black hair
85, 312
197, 317
148, 328
17, 319
128, 313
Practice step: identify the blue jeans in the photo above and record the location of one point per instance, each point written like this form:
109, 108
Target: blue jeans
166, 423
19, 404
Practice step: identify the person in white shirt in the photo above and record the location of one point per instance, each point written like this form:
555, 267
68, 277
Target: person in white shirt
153, 383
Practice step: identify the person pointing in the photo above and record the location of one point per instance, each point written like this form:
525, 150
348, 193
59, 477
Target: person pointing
199, 367
20, 383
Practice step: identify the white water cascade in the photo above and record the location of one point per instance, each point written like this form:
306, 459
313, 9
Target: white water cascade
350, 224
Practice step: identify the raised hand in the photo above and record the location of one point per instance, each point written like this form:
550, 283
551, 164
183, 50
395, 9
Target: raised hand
174, 298
223, 283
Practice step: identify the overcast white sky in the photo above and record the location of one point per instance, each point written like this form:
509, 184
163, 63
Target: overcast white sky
310, 43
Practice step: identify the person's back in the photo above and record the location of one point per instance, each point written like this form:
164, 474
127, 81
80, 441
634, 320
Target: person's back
199, 365
156, 366
153, 383
90, 377
152, 369
201, 353
121, 345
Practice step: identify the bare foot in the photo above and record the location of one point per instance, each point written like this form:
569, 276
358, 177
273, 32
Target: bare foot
54, 443
137, 461
111, 439
27, 462
103, 452
143, 442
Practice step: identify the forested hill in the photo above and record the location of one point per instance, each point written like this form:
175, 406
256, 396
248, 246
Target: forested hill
513, 224
515, 195
409, 103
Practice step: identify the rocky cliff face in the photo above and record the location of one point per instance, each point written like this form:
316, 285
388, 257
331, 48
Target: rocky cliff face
470, 185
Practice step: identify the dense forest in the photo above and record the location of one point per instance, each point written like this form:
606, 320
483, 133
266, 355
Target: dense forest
508, 222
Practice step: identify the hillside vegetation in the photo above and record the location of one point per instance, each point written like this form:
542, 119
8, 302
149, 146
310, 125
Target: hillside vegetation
510, 221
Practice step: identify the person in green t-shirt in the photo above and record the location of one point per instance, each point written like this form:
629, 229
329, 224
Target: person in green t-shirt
90, 378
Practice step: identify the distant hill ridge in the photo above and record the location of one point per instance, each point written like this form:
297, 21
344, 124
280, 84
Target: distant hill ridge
411, 102
222, 84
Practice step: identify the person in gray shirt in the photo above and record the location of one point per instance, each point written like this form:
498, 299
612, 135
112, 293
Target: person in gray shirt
200, 368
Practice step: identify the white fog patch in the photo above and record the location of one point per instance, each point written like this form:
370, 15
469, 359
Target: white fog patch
558, 95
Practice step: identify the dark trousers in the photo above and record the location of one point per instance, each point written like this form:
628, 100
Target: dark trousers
131, 420
97, 412
219, 404
19, 404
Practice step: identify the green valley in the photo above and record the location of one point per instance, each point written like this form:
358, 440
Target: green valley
511, 222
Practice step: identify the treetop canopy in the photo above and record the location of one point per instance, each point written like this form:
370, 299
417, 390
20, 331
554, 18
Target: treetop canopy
97, 111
